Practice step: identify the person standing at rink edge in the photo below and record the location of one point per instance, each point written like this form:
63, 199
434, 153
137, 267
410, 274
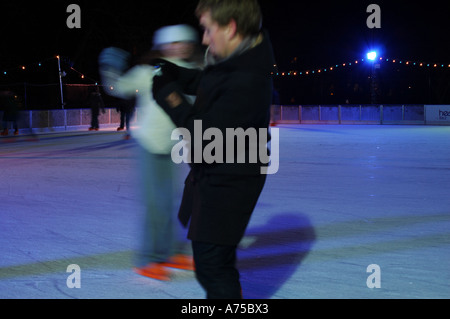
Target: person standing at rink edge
164, 244
10, 105
233, 91
96, 103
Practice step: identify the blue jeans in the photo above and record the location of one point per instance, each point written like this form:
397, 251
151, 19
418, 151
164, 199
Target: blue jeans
161, 186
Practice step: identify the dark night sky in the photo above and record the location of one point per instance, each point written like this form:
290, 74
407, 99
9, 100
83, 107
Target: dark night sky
317, 32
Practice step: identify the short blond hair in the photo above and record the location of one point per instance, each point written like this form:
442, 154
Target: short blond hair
246, 13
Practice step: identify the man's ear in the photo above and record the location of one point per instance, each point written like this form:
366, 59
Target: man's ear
231, 29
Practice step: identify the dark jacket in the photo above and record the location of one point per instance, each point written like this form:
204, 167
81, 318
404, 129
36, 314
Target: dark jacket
96, 102
9, 104
235, 93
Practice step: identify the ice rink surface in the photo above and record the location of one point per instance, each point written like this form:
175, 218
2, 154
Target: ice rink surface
345, 198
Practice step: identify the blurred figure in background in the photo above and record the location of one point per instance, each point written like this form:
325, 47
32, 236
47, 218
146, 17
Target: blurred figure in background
164, 244
96, 103
126, 110
9, 104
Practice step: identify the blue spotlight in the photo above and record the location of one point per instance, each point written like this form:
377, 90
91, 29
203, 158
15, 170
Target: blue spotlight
372, 55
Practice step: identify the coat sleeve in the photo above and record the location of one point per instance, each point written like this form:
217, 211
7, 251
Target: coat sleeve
189, 80
241, 104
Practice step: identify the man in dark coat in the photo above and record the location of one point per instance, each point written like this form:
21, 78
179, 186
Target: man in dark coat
234, 91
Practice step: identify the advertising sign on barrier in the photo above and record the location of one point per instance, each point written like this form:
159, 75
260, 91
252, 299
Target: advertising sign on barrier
437, 114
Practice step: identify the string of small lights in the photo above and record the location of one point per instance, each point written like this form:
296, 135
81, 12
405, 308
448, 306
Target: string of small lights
40, 64
380, 60
291, 73
23, 67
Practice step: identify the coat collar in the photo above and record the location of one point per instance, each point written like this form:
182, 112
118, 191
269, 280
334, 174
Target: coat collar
255, 52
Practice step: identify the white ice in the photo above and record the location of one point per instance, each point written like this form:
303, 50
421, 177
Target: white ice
345, 197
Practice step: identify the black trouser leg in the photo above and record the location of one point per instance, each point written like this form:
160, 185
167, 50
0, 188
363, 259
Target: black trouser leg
216, 270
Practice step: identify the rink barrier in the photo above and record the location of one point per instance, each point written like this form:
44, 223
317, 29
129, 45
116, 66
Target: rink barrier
53, 120
57, 120
362, 114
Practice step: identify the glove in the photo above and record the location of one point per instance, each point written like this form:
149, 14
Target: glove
166, 90
160, 81
114, 58
165, 73
167, 68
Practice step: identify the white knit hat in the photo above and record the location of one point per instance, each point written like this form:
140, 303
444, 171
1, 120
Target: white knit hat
174, 33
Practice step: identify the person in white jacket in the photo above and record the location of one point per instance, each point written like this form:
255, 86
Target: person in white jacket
164, 244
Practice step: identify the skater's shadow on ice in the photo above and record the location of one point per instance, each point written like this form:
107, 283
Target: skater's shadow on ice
271, 254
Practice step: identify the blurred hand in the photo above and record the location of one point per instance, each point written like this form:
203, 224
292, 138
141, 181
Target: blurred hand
114, 58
